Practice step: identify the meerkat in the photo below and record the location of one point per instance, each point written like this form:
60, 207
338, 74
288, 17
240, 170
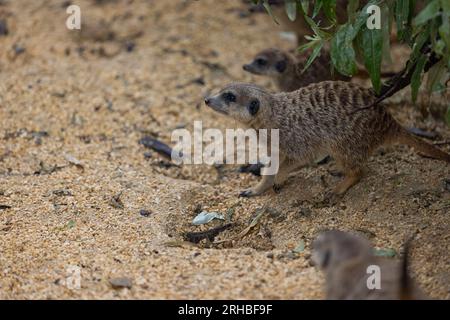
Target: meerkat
287, 70
348, 261
316, 120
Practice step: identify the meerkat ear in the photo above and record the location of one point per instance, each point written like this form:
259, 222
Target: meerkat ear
281, 66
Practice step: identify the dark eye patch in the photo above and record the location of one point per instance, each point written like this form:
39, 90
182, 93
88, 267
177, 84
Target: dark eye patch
281, 66
261, 62
253, 107
229, 97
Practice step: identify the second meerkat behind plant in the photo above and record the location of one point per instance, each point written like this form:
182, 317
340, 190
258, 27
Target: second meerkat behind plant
287, 70
317, 120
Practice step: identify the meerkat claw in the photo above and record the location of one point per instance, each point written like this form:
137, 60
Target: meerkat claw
247, 193
277, 188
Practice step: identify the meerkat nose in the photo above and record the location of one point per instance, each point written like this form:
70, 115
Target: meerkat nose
207, 101
245, 67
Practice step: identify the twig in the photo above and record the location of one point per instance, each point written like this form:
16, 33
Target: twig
210, 234
402, 79
441, 143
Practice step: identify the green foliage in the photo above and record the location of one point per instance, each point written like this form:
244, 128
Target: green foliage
291, 9
269, 10
342, 52
372, 48
417, 76
426, 31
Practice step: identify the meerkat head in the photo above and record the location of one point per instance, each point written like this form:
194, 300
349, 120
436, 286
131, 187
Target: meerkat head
270, 62
334, 247
241, 101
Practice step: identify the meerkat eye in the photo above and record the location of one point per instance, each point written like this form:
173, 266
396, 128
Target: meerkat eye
253, 107
261, 62
281, 66
229, 97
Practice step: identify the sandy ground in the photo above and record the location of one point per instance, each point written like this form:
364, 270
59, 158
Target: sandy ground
144, 72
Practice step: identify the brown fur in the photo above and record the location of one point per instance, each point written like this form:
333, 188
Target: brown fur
344, 258
319, 120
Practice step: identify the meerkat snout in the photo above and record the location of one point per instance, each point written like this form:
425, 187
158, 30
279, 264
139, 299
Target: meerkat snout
216, 104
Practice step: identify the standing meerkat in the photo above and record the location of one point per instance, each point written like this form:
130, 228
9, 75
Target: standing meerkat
317, 120
348, 261
286, 69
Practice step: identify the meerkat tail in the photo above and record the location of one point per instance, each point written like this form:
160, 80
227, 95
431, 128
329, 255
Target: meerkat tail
421, 146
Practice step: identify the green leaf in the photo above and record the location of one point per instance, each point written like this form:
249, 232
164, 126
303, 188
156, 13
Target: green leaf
445, 4
329, 8
402, 18
372, 49
291, 9
416, 77
444, 29
361, 19
342, 52
319, 32
308, 45
386, 33
317, 7
435, 75
430, 12
305, 6
269, 10
318, 44
419, 42
439, 47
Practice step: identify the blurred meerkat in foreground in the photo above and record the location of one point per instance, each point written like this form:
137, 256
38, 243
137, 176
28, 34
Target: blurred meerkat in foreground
346, 260
320, 119
286, 69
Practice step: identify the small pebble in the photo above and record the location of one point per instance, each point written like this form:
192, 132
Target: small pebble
120, 283
18, 49
145, 213
147, 155
129, 46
